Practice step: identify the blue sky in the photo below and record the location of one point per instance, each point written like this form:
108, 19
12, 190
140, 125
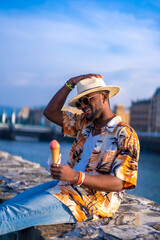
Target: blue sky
44, 43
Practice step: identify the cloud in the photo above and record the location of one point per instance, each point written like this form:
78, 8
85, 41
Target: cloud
45, 51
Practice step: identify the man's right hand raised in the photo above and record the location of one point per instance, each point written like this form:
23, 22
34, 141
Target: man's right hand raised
53, 111
75, 80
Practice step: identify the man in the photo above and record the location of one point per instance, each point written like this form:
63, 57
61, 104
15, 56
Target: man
102, 163
104, 155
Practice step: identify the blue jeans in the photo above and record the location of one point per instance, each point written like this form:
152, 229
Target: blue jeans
33, 207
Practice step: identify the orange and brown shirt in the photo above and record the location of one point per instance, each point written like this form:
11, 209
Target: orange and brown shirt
115, 153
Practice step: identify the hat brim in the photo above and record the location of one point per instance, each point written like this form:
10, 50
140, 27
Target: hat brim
113, 90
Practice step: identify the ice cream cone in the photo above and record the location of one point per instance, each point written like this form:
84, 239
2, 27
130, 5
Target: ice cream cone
54, 147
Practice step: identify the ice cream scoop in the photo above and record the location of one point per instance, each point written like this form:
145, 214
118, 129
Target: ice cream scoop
54, 147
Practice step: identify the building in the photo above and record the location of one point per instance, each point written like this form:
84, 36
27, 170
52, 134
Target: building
71, 109
36, 117
4, 116
145, 114
155, 112
23, 115
140, 115
121, 111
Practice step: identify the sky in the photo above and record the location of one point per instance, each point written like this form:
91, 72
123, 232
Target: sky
44, 43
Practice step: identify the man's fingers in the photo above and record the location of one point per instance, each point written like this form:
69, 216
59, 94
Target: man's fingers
89, 75
55, 166
56, 171
56, 174
100, 76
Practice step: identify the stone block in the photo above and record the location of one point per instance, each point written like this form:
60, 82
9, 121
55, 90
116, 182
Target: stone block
137, 218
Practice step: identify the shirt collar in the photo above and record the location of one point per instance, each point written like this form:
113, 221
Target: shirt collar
110, 126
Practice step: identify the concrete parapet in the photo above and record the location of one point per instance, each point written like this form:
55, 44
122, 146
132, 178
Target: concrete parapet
137, 218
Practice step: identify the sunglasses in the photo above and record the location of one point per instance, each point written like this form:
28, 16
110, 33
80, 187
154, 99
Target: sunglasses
84, 100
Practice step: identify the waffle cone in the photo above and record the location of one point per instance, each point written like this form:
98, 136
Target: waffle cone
55, 155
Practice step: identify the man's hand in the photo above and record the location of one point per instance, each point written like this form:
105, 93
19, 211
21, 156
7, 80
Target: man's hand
75, 80
64, 173
107, 183
53, 111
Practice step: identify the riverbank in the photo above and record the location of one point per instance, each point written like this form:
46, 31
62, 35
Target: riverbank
148, 140
137, 218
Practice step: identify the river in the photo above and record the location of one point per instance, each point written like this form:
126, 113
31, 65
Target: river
148, 184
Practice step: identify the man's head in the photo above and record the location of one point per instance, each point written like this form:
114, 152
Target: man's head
85, 100
92, 85
93, 104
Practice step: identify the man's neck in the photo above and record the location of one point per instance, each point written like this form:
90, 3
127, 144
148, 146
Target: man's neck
103, 120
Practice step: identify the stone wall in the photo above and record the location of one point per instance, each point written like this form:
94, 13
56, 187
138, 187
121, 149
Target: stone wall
137, 218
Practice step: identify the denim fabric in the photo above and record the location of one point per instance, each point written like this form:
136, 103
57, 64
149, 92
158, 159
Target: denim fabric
33, 207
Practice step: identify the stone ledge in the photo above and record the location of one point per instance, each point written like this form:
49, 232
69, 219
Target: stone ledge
137, 218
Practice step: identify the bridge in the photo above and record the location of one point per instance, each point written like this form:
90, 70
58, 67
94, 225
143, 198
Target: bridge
149, 141
11, 131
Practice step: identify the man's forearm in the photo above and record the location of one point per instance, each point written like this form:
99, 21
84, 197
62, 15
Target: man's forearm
58, 99
107, 183
53, 109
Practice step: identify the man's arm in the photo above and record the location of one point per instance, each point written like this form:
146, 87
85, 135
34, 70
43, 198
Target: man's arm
107, 183
53, 110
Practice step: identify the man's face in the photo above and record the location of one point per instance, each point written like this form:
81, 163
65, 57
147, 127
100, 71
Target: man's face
93, 107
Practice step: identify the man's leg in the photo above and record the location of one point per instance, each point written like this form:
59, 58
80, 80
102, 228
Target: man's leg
39, 209
31, 192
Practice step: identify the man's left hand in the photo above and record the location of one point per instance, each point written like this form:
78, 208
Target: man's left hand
64, 173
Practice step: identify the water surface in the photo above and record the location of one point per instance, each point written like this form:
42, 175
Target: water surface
148, 184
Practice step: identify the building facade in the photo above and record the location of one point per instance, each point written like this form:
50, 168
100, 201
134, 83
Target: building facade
36, 117
140, 115
155, 112
121, 111
145, 114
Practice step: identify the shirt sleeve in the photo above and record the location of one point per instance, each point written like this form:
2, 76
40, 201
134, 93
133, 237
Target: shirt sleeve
71, 124
125, 165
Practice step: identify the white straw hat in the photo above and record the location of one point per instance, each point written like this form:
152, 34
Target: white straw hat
90, 85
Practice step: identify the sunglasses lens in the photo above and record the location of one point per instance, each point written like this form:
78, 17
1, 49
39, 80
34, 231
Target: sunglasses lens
85, 101
78, 105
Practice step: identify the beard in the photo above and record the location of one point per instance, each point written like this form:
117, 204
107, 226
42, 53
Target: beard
93, 116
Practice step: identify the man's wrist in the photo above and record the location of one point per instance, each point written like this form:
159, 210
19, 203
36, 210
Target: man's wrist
71, 82
75, 177
70, 85
79, 178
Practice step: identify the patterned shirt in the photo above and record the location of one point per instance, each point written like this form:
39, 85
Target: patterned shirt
115, 153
